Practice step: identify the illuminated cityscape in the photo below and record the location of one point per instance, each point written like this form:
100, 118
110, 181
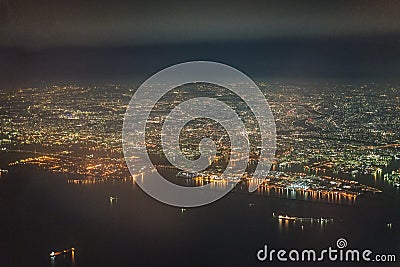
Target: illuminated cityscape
76, 131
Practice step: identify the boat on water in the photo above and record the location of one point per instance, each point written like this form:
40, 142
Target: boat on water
61, 252
285, 217
301, 219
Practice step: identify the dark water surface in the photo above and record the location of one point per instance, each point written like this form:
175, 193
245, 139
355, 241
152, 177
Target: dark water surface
40, 212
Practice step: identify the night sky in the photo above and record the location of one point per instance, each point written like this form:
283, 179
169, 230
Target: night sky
98, 41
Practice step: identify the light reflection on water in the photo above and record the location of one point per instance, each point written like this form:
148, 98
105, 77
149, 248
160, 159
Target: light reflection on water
307, 195
285, 225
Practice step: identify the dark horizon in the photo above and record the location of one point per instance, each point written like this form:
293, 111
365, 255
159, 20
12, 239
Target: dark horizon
362, 58
82, 41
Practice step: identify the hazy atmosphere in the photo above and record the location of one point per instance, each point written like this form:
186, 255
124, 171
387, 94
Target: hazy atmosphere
103, 40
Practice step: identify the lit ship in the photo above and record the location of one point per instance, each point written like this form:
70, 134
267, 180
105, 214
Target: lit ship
301, 219
65, 251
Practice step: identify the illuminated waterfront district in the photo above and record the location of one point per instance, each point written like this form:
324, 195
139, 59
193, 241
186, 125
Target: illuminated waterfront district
332, 132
